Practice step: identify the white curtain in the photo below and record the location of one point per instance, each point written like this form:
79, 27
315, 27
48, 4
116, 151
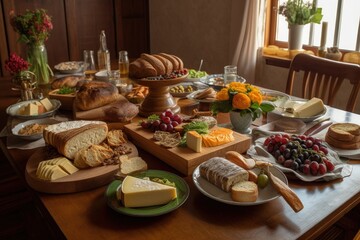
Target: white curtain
248, 32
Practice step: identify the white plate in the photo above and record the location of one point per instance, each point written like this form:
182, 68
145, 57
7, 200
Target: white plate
60, 67
183, 94
217, 80
12, 110
280, 110
15, 130
265, 195
192, 95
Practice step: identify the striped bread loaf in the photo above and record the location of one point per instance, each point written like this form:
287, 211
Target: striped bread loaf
72, 136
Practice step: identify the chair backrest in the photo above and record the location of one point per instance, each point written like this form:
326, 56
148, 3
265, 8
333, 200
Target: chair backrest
323, 77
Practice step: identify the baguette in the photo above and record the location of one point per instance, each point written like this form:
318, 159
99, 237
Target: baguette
240, 160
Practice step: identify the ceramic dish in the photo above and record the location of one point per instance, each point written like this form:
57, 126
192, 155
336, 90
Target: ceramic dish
66, 100
182, 189
13, 110
192, 95
69, 67
18, 127
186, 91
280, 110
217, 80
210, 190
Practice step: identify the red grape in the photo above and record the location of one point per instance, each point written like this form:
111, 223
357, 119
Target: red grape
163, 127
174, 123
169, 113
166, 120
322, 169
314, 168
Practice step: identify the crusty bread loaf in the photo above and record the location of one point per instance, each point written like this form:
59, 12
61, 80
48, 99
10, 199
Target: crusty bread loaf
140, 68
245, 191
222, 173
181, 64
168, 65
345, 132
68, 81
174, 62
95, 94
92, 156
155, 62
72, 136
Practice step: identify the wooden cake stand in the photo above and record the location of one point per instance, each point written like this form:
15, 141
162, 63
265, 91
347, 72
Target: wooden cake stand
159, 98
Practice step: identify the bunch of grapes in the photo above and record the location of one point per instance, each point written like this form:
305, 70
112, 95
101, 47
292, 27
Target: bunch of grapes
300, 153
166, 121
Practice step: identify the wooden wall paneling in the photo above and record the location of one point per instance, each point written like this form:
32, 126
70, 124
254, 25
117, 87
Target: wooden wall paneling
3, 44
135, 27
56, 45
85, 21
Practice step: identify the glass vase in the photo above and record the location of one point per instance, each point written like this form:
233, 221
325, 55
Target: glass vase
241, 122
37, 57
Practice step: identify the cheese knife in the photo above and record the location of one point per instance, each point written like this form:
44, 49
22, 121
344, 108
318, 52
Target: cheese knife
322, 124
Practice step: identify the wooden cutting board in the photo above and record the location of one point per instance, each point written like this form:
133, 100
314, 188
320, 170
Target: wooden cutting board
183, 159
82, 180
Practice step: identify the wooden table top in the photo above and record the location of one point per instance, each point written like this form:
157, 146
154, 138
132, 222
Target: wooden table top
85, 215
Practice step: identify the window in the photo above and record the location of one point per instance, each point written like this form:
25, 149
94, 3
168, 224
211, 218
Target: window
343, 17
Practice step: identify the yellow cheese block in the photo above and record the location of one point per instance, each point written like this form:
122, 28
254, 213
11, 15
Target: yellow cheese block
31, 109
218, 136
47, 104
136, 192
194, 141
311, 108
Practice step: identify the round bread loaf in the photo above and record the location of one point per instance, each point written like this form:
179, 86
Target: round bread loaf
95, 94
69, 81
349, 132
245, 191
140, 68
156, 63
340, 143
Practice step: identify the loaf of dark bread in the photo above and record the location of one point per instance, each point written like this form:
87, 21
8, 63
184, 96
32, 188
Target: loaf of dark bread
95, 94
68, 81
140, 68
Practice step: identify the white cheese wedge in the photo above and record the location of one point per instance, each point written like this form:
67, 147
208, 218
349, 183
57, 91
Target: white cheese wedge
311, 108
194, 141
136, 192
47, 104
31, 109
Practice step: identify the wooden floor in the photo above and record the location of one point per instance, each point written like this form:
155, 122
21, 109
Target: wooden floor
20, 218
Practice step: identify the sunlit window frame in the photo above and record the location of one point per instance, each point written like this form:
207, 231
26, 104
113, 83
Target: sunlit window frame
271, 25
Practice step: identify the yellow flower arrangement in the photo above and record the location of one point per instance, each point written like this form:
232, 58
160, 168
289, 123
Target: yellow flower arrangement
241, 97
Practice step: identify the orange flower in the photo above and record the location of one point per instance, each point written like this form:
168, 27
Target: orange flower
237, 87
255, 96
241, 101
222, 95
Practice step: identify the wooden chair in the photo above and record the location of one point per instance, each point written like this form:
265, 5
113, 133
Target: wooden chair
323, 78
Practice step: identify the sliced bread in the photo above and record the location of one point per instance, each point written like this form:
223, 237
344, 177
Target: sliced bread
345, 132
245, 191
341, 143
131, 165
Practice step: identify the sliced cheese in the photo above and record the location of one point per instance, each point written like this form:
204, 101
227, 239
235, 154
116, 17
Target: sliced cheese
49, 169
218, 136
136, 192
51, 172
311, 108
194, 141
47, 104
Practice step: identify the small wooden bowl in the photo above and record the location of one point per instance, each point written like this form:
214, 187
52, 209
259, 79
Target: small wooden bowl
67, 100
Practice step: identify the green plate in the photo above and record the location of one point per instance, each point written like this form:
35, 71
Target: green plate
182, 189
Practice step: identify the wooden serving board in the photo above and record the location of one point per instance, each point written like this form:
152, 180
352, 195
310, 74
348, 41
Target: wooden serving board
183, 159
82, 180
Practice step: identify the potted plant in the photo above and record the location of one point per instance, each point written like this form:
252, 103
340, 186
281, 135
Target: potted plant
299, 13
243, 101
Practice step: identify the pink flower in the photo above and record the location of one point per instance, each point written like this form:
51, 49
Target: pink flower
15, 64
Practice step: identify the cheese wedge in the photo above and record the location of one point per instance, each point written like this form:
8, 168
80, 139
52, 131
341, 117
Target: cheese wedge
311, 108
31, 109
194, 141
47, 104
136, 192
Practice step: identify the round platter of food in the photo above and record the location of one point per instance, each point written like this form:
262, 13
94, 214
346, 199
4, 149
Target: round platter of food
266, 194
32, 130
217, 80
69, 67
182, 190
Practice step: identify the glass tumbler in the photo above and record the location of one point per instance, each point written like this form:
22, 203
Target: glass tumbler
230, 74
89, 64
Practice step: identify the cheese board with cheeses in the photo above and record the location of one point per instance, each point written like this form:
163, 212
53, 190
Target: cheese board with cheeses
183, 159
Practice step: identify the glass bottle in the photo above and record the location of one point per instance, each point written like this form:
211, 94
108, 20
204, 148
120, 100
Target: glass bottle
123, 64
103, 54
89, 64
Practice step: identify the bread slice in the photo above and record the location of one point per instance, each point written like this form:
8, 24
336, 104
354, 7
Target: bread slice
245, 191
115, 137
93, 156
341, 144
345, 132
131, 165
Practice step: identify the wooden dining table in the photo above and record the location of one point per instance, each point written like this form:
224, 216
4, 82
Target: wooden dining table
86, 215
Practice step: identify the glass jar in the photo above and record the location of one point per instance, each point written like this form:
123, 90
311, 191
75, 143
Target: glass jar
89, 64
123, 64
37, 57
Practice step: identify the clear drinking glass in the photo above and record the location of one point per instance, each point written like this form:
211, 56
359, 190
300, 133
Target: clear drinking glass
89, 64
230, 74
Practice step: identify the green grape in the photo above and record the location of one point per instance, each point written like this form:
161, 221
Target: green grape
262, 180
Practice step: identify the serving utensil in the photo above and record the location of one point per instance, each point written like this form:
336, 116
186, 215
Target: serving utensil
201, 63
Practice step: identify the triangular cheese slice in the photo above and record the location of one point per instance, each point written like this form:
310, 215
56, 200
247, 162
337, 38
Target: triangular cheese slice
136, 192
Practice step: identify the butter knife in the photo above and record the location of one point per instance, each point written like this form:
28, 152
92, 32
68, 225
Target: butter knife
318, 127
